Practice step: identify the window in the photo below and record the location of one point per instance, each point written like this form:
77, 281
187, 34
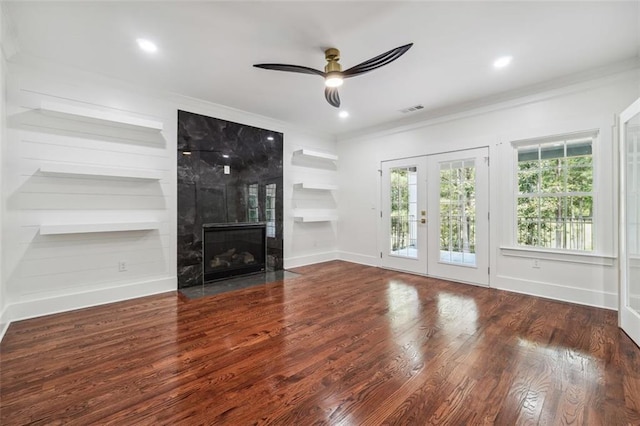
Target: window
252, 205
270, 210
555, 194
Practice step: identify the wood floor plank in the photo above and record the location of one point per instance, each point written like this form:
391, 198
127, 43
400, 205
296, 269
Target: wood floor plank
340, 344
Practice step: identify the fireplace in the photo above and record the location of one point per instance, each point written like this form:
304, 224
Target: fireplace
232, 249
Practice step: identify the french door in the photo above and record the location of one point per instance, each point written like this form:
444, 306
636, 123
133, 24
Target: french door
629, 312
403, 215
434, 217
458, 200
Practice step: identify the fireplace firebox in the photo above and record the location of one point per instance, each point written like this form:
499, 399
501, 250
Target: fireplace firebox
232, 249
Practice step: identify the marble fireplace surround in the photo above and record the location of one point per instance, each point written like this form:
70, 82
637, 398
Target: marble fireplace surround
219, 164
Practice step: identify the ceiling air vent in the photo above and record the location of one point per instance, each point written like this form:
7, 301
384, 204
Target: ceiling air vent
412, 109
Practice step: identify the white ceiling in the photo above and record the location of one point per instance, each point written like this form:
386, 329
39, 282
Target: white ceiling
206, 49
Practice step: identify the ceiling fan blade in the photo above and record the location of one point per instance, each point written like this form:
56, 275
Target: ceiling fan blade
331, 94
377, 62
290, 68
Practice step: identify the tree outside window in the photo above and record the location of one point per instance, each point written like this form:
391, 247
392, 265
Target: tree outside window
555, 195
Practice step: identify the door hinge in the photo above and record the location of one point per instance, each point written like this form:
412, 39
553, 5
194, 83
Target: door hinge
380, 171
488, 215
489, 270
380, 213
380, 255
486, 160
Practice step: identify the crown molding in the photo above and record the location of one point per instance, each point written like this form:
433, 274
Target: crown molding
573, 83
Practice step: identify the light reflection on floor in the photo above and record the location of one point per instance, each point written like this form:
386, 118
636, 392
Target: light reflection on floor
457, 314
404, 311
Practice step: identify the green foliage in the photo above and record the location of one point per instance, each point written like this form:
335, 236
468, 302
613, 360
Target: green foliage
400, 208
555, 202
457, 209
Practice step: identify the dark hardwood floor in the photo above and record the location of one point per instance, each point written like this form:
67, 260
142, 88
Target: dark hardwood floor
343, 344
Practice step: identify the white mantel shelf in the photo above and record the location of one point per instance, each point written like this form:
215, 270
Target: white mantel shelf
315, 154
319, 186
60, 169
84, 228
100, 116
309, 219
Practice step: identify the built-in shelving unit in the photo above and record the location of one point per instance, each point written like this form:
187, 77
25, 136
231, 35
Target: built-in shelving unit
317, 186
325, 162
59, 169
315, 154
83, 228
100, 116
313, 218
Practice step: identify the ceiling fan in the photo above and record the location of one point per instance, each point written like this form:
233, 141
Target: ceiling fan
333, 74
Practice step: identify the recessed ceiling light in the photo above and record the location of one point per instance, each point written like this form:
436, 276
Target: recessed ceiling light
343, 114
269, 138
147, 46
502, 61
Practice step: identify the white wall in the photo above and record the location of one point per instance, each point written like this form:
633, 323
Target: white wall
588, 280
3, 293
52, 273
314, 241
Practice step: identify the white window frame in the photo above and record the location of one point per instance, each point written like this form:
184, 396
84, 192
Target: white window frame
561, 138
594, 134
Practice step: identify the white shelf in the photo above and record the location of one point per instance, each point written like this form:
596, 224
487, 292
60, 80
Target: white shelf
83, 228
315, 154
100, 171
321, 186
96, 115
308, 219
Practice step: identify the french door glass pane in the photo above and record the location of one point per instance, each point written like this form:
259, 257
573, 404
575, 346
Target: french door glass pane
633, 212
458, 212
404, 211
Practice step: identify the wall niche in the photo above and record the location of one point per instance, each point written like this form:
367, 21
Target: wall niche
227, 173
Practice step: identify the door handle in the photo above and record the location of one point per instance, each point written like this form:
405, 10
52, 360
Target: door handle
423, 220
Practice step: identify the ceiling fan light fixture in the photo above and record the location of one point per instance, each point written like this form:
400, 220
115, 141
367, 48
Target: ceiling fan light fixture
333, 74
333, 79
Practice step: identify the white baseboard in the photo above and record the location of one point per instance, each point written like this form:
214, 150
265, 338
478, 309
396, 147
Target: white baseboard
4, 322
35, 308
581, 296
294, 262
359, 258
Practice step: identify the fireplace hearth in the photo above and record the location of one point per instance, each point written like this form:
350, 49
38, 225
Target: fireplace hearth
232, 249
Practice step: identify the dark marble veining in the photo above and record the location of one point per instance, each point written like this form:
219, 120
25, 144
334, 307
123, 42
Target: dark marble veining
218, 161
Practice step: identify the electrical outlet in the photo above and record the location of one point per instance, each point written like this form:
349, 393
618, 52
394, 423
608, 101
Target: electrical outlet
536, 263
122, 266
